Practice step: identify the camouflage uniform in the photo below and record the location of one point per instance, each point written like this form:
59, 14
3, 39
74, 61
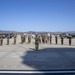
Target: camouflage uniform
56, 39
8, 37
1, 40
29, 39
24, 38
70, 37
36, 42
50, 39
39, 39
46, 39
15, 39
62, 38
42, 38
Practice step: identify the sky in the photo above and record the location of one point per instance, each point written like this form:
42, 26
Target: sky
37, 15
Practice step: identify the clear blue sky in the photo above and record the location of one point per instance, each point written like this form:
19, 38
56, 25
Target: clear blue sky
37, 15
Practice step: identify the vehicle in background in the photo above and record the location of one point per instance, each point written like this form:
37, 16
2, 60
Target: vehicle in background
67, 35
73, 35
11, 35
6, 35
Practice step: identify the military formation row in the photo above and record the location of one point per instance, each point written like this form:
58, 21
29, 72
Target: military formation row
42, 39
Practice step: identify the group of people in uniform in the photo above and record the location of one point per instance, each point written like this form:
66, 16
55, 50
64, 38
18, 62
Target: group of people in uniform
23, 39
8, 39
46, 38
1, 40
38, 39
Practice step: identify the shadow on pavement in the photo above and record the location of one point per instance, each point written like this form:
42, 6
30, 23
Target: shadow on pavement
50, 58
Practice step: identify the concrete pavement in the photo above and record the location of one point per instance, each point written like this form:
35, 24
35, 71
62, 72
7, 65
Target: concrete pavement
49, 57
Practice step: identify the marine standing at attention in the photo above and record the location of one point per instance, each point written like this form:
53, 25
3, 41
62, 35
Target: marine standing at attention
8, 37
50, 38
56, 40
70, 39
36, 42
62, 39
15, 36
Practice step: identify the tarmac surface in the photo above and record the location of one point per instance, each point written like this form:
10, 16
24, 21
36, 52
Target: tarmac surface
48, 57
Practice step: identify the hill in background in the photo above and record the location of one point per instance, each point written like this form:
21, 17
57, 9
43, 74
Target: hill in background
34, 32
